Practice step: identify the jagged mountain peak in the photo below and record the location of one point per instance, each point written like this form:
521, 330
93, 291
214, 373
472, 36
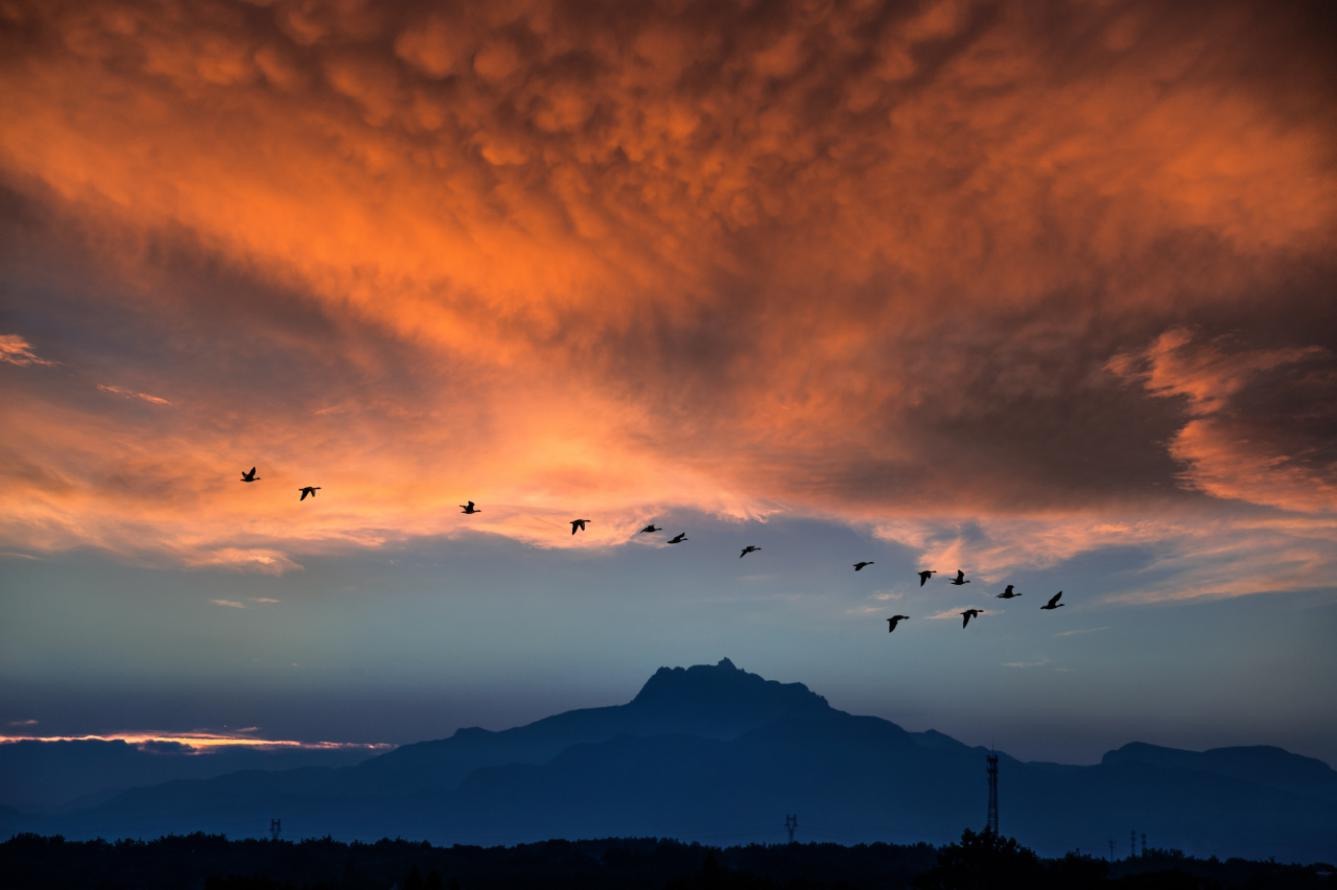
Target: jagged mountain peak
723, 683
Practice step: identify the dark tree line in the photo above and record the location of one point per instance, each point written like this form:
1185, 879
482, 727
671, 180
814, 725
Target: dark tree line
984, 860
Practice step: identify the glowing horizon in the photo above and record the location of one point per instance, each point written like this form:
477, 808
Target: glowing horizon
199, 742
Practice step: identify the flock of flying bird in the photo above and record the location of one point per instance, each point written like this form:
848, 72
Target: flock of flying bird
578, 525
1010, 592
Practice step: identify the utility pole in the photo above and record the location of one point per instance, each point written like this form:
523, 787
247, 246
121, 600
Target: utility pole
1132, 844
275, 829
991, 821
791, 826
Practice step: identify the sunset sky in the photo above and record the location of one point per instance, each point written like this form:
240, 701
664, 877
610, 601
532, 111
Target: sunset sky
1044, 291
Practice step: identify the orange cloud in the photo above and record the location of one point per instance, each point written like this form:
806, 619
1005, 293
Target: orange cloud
882, 264
1230, 454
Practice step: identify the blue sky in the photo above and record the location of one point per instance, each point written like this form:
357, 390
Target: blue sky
415, 641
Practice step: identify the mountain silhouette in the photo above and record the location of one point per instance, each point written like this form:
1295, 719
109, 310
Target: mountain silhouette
717, 701
719, 755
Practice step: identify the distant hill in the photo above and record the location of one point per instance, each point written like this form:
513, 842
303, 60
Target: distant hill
719, 755
43, 776
1259, 764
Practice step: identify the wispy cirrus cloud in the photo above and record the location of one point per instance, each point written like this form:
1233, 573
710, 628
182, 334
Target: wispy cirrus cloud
236, 603
955, 613
132, 394
262, 560
1028, 665
16, 350
1081, 631
1189, 551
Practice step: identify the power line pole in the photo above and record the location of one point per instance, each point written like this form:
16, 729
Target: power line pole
791, 826
1132, 844
275, 829
991, 821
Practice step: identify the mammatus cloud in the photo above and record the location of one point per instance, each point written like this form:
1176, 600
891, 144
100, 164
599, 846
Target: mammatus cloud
1002, 288
15, 350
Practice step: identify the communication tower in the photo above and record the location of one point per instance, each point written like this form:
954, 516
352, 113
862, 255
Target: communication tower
991, 823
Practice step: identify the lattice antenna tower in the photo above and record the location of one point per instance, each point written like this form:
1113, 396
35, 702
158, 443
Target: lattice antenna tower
991, 821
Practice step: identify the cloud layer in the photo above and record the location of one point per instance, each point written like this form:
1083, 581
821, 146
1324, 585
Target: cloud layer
1000, 284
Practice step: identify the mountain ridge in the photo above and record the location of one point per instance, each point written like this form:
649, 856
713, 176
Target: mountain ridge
713, 753
713, 701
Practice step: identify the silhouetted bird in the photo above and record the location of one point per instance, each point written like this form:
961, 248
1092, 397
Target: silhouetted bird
308, 490
469, 508
678, 538
748, 549
860, 566
651, 528
895, 620
578, 525
969, 614
1053, 602
925, 575
249, 476
959, 579
1008, 594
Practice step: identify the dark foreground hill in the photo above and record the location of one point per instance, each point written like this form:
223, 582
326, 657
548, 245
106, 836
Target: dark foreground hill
30, 862
718, 755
